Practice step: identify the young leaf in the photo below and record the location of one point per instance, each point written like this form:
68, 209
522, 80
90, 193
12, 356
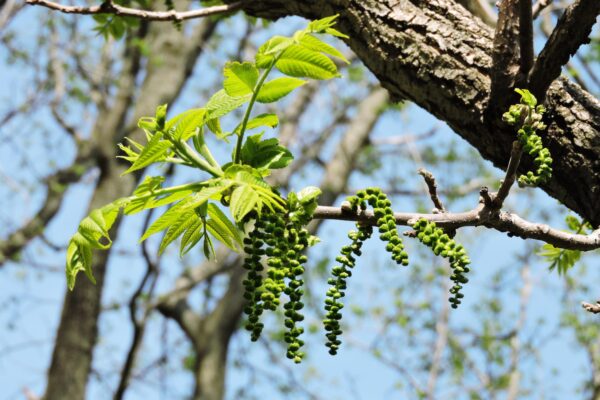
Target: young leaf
185, 124
221, 103
177, 229
243, 200
209, 249
300, 62
155, 150
316, 44
269, 120
223, 229
266, 154
189, 203
191, 236
240, 78
278, 88
92, 233
266, 53
527, 97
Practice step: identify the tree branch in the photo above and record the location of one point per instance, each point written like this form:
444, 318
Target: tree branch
431, 185
479, 216
572, 30
539, 6
593, 308
108, 7
510, 177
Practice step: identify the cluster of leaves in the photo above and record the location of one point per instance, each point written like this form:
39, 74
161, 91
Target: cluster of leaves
528, 114
443, 245
564, 259
279, 240
239, 184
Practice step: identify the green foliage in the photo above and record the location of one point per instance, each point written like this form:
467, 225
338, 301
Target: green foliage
443, 245
529, 115
564, 259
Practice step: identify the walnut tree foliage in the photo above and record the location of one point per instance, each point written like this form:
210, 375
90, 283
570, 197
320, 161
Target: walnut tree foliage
267, 226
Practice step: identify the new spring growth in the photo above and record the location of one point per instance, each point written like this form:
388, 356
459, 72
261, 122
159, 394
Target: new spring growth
443, 245
281, 240
528, 115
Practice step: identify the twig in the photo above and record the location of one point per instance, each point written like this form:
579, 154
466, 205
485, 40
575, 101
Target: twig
593, 308
572, 30
510, 177
482, 215
431, 185
108, 7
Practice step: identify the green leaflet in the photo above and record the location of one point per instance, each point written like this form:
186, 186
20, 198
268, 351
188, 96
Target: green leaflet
243, 200
92, 233
223, 229
221, 103
155, 150
527, 97
251, 192
266, 53
191, 236
278, 88
300, 62
561, 259
189, 203
176, 229
240, 78
316, 44
266, 154
184, 125
269, 120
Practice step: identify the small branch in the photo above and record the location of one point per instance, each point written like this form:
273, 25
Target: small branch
482, 215
431, 185
108, 7
593, 308
525, 38
539, 6
511, 175
572, 30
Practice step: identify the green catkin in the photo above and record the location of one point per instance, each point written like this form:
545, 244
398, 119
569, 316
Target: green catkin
386, 224
341, 273
529, 115
442, 245
282, 240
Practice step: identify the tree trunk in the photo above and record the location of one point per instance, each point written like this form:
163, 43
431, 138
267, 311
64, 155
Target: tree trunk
434, 53
78, 329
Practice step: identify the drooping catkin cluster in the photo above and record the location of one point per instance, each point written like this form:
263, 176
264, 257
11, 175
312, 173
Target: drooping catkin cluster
529, 115
336, 291
279, 240
386, 223
443, 245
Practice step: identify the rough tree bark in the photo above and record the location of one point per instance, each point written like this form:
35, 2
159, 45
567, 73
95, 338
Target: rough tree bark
434, 53
78, 329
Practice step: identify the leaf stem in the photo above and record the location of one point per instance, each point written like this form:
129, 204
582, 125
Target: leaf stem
261, 80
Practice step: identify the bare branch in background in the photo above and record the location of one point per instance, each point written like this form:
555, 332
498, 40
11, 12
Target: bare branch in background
108, 7
539, 6
593, 308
